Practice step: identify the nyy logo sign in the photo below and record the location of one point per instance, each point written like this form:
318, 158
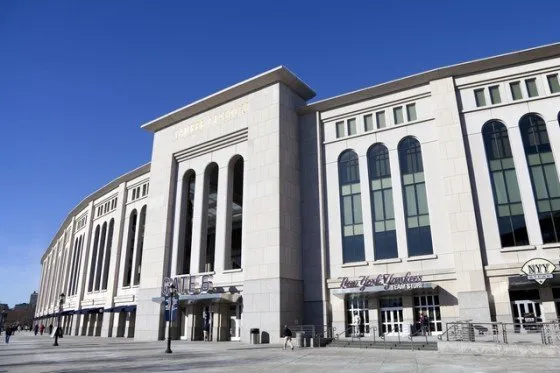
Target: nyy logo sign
538, 269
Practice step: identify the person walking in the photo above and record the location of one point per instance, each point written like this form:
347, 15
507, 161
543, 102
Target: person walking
36, 329
41, 328
287, 337
50, 328
8, 332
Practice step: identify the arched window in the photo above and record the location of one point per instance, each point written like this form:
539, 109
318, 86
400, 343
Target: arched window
93, 259
108, 254
544, 177
211, 180
236, 206
138, 264
184, 259
384, 231
351, 208
418, 231
100, 256
72, 266
130, 248
507, 199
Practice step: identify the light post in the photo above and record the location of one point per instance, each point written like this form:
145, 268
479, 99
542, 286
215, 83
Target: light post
60, 303
172, 292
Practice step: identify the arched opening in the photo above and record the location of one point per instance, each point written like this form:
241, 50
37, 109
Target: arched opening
351, 208
108, 254
211, 188
93, 258
505, 188
544, 176
382, 211
130, 248
236, 207
100, 256
187, 211
138, 262
418, 231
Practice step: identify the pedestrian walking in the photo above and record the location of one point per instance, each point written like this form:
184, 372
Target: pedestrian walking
41, 328
8, 333
36, 329
50, 329
287, 337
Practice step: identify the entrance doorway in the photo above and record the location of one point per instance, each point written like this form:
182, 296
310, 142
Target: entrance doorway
235, 322
391, 316
357, 317
526, 310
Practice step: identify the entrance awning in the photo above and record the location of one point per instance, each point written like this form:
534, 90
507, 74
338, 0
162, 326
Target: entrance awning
215, 297
521, 281
117, 309
381, 290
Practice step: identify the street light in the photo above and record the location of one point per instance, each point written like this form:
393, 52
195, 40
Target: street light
172, 292
60, 303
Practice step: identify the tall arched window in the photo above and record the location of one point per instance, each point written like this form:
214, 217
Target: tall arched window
141, 227
351, 208
544, 177
189, 184
79, 265
418, 231
108, 255
384, 231
211, 179
130, 248
100, 256
507, 199
93, 258
236, 214
72, 266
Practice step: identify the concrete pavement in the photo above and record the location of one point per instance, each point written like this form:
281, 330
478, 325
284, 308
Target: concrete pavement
28, 353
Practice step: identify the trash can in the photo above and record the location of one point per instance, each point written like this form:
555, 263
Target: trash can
299, 339
255, 336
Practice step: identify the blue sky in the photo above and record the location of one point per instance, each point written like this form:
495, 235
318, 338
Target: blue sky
78, 78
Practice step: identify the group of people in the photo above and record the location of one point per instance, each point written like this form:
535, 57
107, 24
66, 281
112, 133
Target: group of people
10, 330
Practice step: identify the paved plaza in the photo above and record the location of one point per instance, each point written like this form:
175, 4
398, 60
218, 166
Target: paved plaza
28, 353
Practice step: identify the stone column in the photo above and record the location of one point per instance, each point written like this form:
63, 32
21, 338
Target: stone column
408, 314
198, 249
107, 326
452, 209
223, 219
548, 307
374, 317
338, 315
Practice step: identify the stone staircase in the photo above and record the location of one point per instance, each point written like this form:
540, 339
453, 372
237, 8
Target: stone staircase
384, 345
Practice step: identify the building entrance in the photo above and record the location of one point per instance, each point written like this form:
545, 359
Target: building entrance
391, 316
235, 322
526, 309
357, 317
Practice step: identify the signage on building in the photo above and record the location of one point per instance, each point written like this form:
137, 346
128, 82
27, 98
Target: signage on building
538, 269
387, 281
188, 285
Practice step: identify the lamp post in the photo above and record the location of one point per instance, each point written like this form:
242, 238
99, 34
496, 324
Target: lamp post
60, 303
172, 292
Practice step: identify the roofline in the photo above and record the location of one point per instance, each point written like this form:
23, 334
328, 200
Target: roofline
464, 68
139, 171
277, 74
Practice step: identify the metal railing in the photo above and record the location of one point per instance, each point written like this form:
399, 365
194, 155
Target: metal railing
500, 332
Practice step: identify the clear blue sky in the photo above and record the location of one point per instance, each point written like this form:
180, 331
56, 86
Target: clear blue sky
77, 78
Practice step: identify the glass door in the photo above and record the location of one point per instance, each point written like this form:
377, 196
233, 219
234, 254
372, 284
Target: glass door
235, 322
525, 314
391, 316
357, 317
